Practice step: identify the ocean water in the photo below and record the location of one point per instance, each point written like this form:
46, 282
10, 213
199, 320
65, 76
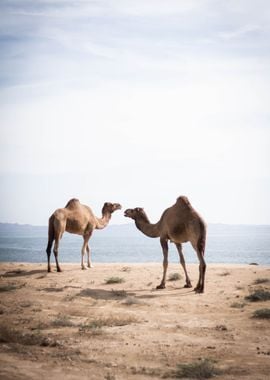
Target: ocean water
124, 244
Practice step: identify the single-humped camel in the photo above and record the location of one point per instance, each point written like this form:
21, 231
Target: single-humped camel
179, 224
76, 219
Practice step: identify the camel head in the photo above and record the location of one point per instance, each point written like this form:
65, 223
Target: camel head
110, 207
136, 214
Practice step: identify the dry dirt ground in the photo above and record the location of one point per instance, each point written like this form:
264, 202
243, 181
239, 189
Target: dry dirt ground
76, 325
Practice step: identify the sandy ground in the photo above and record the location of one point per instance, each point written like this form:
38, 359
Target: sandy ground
73, 325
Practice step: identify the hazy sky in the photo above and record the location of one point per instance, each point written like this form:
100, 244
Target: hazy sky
135, 102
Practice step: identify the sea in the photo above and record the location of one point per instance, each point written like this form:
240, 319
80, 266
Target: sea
236, 244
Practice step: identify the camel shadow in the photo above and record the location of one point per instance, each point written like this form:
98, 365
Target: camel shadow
23, 273
102, 294
168, 292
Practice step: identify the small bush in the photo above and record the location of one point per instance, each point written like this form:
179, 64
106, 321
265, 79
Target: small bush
174, 277
62, 321
258, 295
10, 335
7, 288
238, 305
262, 314
114, 280
203, 369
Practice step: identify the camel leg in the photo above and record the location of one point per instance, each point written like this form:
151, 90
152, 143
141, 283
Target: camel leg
49, 264
83, 252
85, 247
89, 263
164, 245
55, 251
48, 250
183, 263
202, 268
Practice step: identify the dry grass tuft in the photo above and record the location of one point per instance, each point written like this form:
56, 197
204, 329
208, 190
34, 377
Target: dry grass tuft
258, 295
63, 321
201, 369
10, 335
174, 277
238, 305
114, 280
113, 321
8, 288
262, 314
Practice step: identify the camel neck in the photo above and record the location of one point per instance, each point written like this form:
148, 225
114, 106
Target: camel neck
149, 229
103, 222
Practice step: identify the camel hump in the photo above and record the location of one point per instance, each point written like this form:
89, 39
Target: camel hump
183, 200
72, 203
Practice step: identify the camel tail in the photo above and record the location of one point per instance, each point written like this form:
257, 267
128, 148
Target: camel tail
51, 235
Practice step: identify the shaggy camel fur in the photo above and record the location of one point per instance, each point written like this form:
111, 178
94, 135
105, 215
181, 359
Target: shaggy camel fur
76, 219
179, 224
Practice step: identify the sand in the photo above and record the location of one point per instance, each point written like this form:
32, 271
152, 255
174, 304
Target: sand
73, 325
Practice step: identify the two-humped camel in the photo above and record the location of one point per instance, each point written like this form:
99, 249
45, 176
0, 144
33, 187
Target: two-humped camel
76, 219
179, 224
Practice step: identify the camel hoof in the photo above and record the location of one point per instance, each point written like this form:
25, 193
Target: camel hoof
188, 286
84, 268
59, 270
161, 286
90, 266
198, 290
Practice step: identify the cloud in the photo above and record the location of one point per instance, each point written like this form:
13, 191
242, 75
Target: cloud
241, 32
141, 99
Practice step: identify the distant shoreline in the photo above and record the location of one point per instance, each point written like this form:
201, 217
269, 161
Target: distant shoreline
125, 243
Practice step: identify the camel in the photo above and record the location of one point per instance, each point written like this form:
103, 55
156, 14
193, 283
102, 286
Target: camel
76, 219
179, 224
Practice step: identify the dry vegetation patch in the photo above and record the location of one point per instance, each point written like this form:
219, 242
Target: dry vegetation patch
174, 277
114, 280
262, 313
200, 369
8, 288
63, 321
11, 335
112, 321
258, 295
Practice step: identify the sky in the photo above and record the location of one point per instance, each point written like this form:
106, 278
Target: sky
135, 102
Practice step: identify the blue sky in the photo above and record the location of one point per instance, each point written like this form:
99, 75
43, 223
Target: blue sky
137, 103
